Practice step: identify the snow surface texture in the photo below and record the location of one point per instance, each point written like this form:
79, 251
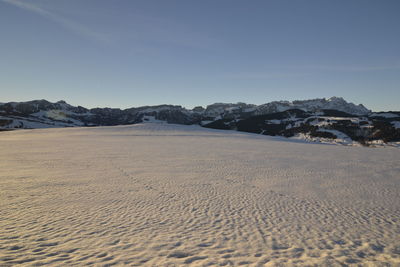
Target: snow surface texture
165, 195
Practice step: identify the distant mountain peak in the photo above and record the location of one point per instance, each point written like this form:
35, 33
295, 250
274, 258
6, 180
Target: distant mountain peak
312, 105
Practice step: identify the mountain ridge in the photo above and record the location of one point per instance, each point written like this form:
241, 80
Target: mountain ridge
318, 102
323, 118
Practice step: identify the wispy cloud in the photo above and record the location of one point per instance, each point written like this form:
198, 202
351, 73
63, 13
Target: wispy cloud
347, 68
172, 32
299, 71
266, 75
66, 23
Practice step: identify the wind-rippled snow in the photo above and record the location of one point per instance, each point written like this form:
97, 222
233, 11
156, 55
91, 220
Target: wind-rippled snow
167, 195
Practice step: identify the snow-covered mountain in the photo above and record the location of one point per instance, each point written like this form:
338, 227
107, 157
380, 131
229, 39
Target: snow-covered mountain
44, 114
325, 118
41, 113
313, 105
327, 125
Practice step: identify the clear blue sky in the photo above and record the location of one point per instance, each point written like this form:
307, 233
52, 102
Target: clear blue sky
123, 53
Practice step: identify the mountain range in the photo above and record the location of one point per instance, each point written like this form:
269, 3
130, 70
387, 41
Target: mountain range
318, 119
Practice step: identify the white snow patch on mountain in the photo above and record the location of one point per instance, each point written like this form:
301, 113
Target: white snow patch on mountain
387, 115
396, 124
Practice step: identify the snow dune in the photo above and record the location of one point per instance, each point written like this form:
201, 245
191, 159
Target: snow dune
167, 195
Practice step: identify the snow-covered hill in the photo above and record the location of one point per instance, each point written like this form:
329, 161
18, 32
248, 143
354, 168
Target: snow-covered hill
158, 194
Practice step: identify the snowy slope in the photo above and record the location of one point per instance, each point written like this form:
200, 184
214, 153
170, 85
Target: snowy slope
159, 194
